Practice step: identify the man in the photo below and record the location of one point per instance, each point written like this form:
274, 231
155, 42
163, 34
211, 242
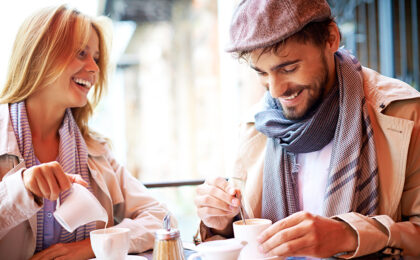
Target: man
333, 154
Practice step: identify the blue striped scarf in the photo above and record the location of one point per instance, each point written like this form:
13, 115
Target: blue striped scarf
73, 158
342, 117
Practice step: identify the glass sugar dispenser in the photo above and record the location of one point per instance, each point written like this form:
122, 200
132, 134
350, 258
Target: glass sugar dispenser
168, 245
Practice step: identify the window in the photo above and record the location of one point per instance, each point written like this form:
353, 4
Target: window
383, 34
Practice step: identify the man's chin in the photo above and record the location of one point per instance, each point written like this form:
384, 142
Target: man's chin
301, 111
292, 113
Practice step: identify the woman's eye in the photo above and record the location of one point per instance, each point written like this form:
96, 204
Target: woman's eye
82, 54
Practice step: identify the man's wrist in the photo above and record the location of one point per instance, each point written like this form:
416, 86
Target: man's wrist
350, 242
225, 232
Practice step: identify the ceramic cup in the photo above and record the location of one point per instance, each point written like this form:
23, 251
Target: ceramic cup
110, 243
228, 249
249, 233
79, 208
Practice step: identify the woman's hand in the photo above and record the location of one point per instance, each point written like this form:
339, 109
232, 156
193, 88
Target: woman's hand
48, 180
76, 250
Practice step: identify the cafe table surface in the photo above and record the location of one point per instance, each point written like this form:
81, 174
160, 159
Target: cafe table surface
189, 250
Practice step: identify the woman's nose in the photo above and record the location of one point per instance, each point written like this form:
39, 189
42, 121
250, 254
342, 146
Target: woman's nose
91, 65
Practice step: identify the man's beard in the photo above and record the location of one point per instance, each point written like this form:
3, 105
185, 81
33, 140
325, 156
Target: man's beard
314, 100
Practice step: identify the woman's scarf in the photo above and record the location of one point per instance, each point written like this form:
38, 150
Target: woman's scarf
342, 117
73, 158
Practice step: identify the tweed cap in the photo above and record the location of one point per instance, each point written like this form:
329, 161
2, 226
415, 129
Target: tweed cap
261, 23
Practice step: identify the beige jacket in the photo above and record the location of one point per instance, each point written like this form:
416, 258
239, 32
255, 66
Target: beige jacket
394, 109
125, 199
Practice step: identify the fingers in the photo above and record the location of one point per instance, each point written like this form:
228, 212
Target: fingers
42, 184
36, 191
301, 246
76, 178
283, 237
218, 187
208, 212
48, 180
62, 179
30, 182
214, 193
287, 222
216, 203
54, 188
209, 206
218, 182
304, 234
52, 252
212, 202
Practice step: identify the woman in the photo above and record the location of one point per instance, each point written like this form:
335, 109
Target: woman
59, 56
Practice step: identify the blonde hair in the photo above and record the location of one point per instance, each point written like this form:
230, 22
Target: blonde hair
45, 44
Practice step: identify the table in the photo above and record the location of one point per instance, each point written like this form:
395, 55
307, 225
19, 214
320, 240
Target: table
149, 254
188, 252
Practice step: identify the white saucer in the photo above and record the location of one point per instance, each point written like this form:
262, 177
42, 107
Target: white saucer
130, 257
265, 258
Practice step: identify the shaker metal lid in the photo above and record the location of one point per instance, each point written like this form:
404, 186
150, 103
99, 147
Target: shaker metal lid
167, 232
164, 234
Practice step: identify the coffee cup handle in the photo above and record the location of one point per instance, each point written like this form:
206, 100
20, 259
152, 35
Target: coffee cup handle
58, 203
194, 256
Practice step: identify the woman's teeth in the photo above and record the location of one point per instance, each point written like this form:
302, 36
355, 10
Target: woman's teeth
83, 82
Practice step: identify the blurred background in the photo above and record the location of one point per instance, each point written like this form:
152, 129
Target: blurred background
175, 97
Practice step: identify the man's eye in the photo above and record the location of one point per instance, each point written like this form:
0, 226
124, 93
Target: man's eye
261, 73
289, 69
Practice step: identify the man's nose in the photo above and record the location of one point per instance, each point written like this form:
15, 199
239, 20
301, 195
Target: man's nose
276, 86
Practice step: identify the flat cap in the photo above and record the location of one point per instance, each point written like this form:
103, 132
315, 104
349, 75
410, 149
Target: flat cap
261, 23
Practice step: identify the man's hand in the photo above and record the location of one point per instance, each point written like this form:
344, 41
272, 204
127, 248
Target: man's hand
48, 180
76, 250
304, 234
216, 203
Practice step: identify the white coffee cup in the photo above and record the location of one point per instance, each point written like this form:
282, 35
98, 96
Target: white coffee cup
79, 208
249, 233
228, 249
110, 243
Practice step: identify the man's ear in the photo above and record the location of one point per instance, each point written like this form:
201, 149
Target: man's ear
333, 41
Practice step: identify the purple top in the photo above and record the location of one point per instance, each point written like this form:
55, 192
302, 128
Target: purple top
52, 229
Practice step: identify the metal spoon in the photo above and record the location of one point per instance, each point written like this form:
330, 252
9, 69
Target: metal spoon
235, 181
242, 214
167, 222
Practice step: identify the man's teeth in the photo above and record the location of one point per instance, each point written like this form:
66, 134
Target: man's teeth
83, 82
293, 96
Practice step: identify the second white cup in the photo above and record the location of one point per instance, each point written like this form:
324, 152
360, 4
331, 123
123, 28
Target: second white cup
111, 243
249, 233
